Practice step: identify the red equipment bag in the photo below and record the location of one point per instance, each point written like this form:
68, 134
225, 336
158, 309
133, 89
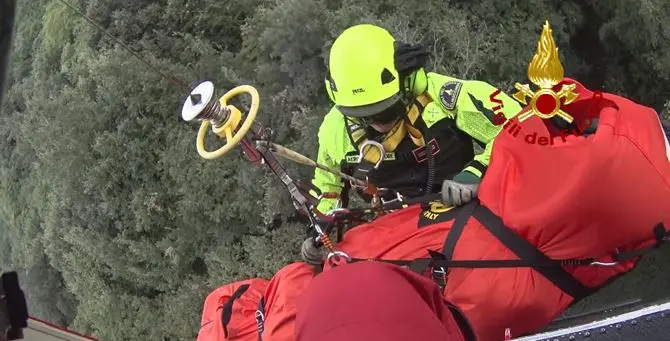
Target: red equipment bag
229, 312
598, 198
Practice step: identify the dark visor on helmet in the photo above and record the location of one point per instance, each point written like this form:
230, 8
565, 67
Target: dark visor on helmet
370, 109
389, 115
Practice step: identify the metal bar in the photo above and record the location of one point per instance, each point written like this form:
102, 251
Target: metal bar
299, 158
7, 15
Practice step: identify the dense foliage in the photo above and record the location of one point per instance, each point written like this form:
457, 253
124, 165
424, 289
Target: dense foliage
120, 229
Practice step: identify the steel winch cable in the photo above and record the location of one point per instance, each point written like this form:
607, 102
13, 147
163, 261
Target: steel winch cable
209, 112
174, 80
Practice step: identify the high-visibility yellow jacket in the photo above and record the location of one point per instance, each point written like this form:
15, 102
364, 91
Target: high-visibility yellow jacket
447, 116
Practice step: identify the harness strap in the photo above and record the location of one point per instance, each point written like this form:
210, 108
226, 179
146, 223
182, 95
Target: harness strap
463, 322
344, 195
529, 255
392, 139
396, 205
457, 229
363, 168
528, 252
420, 265
662, 237
440, 275
227, 307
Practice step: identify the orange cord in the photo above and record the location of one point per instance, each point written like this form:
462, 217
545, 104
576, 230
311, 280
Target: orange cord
330, 195
327, 242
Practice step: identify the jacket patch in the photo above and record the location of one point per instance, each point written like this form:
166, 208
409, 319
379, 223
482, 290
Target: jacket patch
389, 156
449, 94
420, 154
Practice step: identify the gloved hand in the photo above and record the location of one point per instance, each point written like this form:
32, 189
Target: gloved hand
310, 253
461, 190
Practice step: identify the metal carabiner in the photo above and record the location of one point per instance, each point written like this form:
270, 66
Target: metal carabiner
375, 144
338, 254
337, 210
260, 321
398, 198
440, 271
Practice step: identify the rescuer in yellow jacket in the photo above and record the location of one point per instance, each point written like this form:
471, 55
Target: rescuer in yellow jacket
425, 121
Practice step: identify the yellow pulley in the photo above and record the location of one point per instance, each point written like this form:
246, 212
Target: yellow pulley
224, 118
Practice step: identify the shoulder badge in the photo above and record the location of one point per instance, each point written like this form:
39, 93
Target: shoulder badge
449, 94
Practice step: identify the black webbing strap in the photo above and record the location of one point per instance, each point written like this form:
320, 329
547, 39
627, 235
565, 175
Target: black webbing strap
440, 272
463, 323
227, 312
396, 205
344, 194
445, 258
528, 252
662, 237
529, 255
457, 229
363, 168
420, 265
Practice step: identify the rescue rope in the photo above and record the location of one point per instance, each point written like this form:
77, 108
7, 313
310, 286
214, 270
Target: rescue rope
174, 80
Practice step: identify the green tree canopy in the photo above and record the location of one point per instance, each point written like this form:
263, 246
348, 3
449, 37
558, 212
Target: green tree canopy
120, 229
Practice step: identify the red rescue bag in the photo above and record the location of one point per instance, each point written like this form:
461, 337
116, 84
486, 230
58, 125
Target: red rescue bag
580, 198
229, 312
